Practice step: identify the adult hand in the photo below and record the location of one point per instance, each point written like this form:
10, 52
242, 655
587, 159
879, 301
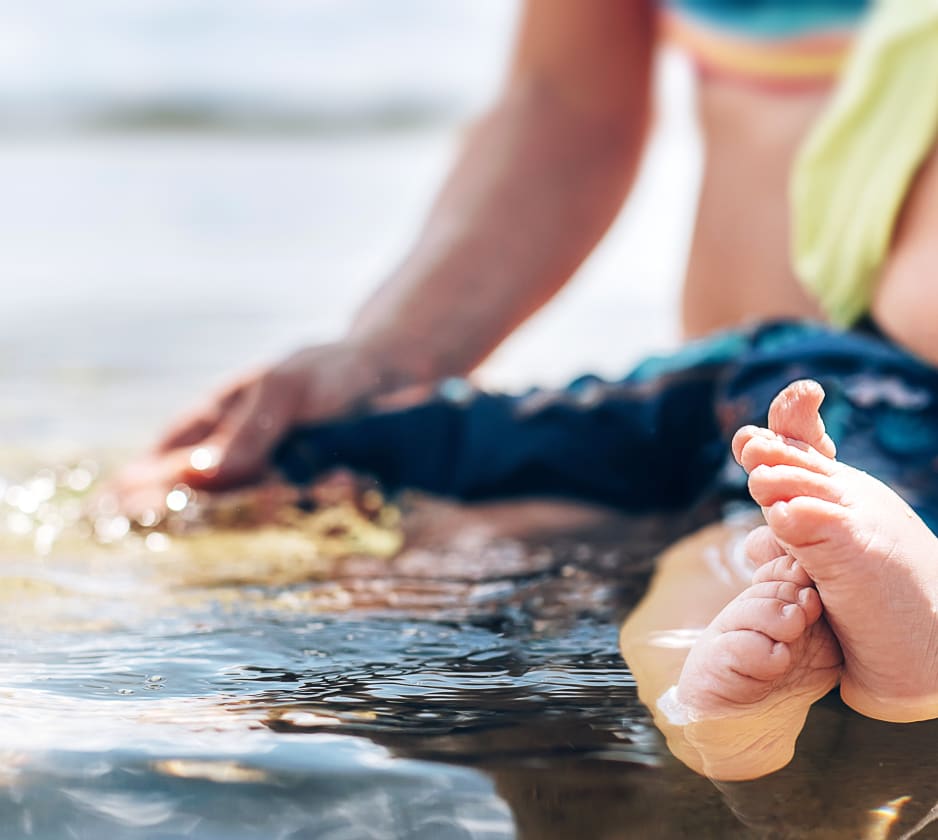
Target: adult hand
227, 442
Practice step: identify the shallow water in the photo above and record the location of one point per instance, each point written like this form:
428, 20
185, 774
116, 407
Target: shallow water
311, 678
487, 701
273, 681
154, 688
258, 683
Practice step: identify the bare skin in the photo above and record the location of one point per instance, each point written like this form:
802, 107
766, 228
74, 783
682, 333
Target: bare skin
729, 696
840, 548
874, 562
746, 686
748, 682
906, 300
739, 269
541, 176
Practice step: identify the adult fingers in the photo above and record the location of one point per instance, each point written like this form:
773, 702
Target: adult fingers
189, 430
195, 426
239, 450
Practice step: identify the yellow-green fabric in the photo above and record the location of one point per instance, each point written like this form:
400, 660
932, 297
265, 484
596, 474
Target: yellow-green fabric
854, 169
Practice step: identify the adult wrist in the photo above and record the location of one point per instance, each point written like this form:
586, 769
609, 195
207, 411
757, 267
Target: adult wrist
393, 366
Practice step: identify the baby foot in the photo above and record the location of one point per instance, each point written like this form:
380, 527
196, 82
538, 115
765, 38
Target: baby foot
750, 679
873, 561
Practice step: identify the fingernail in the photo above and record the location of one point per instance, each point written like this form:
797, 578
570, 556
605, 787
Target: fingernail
789, 610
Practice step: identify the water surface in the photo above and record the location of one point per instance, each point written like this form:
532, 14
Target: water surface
325, 676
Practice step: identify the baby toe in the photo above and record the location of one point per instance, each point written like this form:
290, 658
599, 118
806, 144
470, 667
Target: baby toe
806, 522
794, 413
754, 655
746, 434
778, 618
783, 569
761, 546
762, 451
782, 483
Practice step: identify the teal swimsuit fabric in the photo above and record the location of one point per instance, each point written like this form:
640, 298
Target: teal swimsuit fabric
656, 441
772, 19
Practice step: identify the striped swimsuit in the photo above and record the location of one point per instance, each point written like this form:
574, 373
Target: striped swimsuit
771, 43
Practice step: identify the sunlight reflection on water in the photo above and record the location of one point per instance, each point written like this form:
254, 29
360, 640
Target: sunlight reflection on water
128, 676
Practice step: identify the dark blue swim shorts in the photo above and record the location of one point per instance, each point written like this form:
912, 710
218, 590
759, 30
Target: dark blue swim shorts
656, 441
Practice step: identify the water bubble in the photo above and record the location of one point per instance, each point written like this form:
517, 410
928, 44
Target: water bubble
44, 538
42, 486
19, 523
157, 542
147, 519
107, 504
111, 528
19, 497
78, 479
89, 466
176, 500
28, 503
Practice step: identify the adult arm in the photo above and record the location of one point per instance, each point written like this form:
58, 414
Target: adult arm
537, 183
539, 180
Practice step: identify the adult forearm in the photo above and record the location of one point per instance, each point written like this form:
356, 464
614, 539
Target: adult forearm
536, 186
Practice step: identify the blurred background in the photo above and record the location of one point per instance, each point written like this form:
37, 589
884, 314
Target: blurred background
193, 186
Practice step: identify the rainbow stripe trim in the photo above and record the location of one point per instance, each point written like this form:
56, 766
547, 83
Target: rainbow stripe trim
791, 62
